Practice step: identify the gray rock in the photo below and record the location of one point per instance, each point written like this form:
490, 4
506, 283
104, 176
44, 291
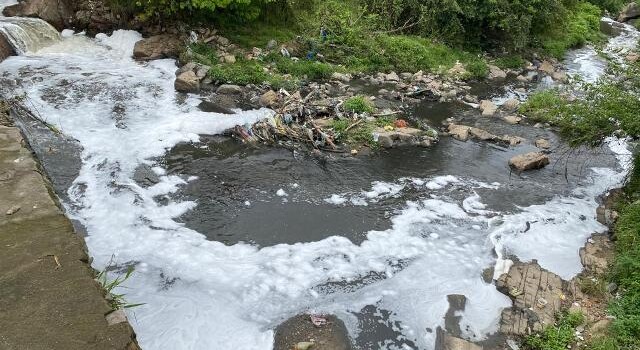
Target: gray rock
392, 77
56, 13
512, 119
547, 67
145, 176
511, 104
459, 132
341, 77
496, 73
630, 11
6, 50
229, 89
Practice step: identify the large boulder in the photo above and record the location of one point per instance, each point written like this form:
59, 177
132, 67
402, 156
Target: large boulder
158, 46
597, 254
631, 11
529, 161
6, 49
538, 296
57, 12
496, 73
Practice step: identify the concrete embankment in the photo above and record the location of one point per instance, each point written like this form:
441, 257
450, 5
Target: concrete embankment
48, 296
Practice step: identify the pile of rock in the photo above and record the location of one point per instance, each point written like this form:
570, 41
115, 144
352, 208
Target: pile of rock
398, 137
464, 132
190, 76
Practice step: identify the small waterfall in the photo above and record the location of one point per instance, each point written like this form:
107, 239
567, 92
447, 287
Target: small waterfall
28, 34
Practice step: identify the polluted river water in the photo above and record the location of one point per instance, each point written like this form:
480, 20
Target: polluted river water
229, 241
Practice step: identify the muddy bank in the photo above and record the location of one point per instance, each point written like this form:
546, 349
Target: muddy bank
48, 296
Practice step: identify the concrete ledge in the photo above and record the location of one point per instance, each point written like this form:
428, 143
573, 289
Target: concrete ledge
49, 299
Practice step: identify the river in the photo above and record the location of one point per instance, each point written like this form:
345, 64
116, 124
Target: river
228, 241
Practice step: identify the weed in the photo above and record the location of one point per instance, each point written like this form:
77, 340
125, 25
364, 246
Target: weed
358, 104
509, 62
116, 301
558, 336
595, 286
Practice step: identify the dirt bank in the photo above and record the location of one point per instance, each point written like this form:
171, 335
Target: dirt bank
48, 297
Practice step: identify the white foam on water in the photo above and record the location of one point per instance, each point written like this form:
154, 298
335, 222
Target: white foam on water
202, 294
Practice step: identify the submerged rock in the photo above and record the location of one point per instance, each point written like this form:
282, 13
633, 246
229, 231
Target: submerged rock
157, 47
529, 161
325, 332
543, 143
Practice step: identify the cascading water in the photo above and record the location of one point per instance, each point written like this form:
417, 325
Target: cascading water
203, 294
27, 35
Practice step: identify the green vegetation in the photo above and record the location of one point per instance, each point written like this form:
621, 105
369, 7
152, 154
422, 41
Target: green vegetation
357, 134
386, 35
582, 25
358, 104
558, 336
116, 301
509, 62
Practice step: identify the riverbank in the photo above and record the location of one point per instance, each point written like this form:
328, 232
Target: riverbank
48, 295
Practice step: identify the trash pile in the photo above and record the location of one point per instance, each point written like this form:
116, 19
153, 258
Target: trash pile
324, 124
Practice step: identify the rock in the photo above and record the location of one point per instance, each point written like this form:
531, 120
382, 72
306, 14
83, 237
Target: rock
511, 104
612, 287
611, 28
269, 98
560, 76
392, 77
157, 47
229, 59
597, 254
222, 41
546, 67
6, 50
529, 161
488, 108
272, 44
406, 76
331, 334
448, 342
398, 137
512, 119
187, 82
630, 11
496, 73
459, 132
632, 57
145, 176
512, 140
56, 13
522, 78
116, 317
482, 134
229, 89
600, 327
542, 143
345, 78
14, 209
537, 294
